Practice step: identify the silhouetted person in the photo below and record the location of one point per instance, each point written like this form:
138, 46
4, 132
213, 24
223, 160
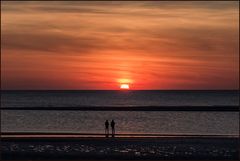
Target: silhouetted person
113, 127
106, 128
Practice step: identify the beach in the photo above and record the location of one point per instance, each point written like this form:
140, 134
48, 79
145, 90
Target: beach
150, 125
64, 147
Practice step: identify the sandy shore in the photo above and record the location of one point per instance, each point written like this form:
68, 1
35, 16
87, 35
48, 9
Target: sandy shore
120, 148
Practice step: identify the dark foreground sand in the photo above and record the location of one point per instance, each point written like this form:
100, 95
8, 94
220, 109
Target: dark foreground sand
98, 148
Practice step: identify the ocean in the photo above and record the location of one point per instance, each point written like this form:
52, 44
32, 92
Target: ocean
147, 122
160, 122
118, 98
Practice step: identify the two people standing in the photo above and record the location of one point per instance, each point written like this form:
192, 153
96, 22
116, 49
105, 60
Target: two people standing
107, 128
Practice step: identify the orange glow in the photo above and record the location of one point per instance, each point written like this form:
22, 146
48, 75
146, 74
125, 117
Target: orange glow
124, 86
101, 46
125, 81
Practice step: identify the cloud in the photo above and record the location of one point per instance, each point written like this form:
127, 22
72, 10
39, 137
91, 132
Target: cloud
50, 42
127, 26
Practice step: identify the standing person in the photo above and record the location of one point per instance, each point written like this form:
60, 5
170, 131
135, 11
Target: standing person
113, 127
106, 128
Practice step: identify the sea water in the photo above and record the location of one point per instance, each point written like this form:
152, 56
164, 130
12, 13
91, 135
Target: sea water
118, 98
161, 122
147, 122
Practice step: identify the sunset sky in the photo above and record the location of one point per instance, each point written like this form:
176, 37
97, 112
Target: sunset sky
101, 45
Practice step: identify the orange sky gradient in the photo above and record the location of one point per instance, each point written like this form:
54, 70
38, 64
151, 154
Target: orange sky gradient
100, 45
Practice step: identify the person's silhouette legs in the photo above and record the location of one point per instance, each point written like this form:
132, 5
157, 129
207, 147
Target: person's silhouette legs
113, 128
106, 128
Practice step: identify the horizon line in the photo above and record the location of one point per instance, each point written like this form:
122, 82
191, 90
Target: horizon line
120, 89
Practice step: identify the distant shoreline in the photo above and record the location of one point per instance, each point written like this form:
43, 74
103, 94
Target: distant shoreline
133, 108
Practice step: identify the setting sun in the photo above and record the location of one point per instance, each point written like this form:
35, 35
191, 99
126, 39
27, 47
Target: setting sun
124, 86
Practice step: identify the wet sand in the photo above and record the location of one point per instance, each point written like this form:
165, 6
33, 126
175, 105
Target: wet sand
70, 135
119, 148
